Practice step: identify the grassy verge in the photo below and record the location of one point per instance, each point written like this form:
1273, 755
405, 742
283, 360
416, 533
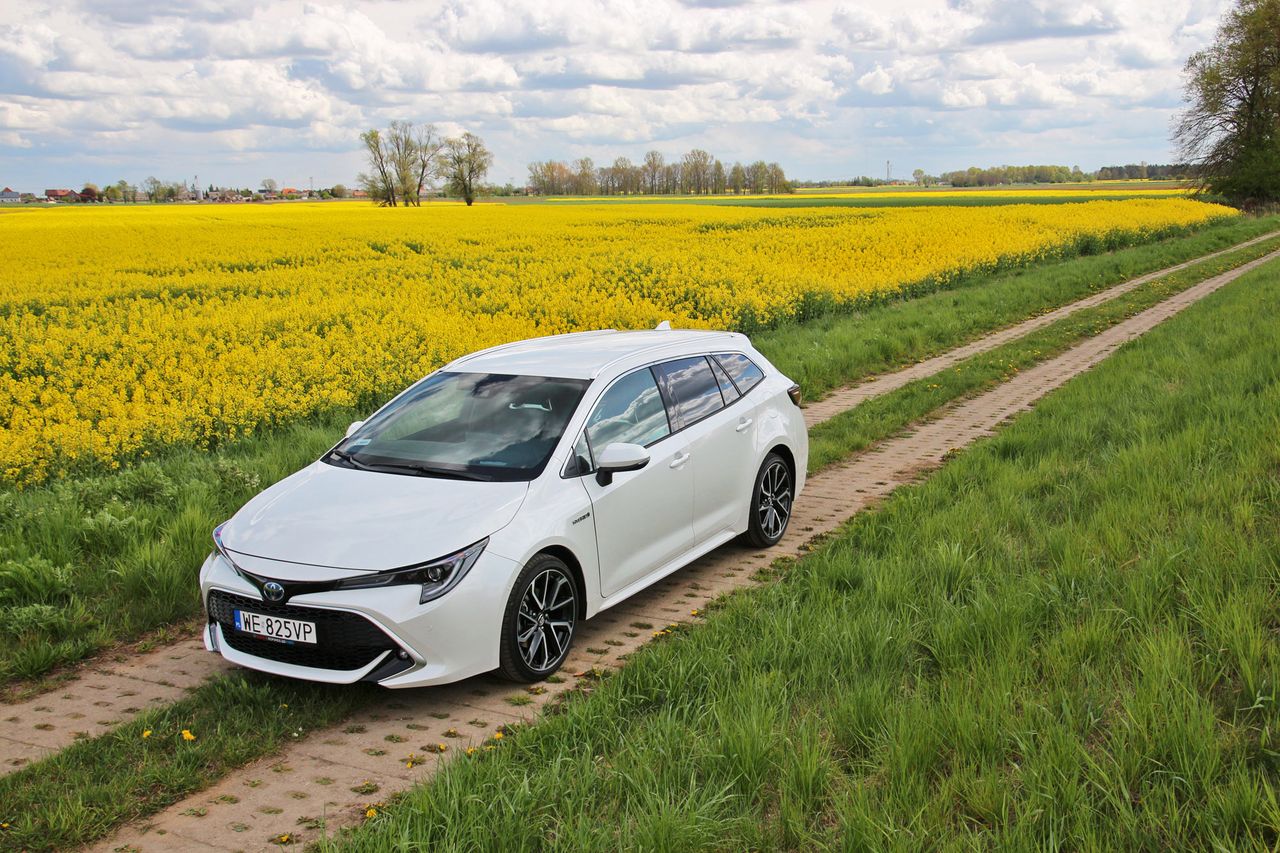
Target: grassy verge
1065, 639
89, 561
90, 788
881, 417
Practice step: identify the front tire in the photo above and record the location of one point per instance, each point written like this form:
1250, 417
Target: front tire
771, 502
540, 620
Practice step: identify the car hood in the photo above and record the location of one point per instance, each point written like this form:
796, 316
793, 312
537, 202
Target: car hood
364, 521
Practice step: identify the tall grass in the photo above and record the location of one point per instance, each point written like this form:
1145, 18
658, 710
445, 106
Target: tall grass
1066, 639
95, 559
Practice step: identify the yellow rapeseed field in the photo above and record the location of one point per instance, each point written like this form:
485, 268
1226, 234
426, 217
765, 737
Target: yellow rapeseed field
129, 329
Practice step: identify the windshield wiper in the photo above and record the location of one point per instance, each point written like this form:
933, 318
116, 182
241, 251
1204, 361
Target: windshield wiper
411, 467
349, 459
431, 471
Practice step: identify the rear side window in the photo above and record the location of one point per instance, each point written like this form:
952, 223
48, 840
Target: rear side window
741, 370
692, 387
727, 388
630, 411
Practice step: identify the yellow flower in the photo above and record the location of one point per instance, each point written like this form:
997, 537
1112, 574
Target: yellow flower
371, 812
195, 330
498, 735
187, 735
146, 734
694, 612
471, 750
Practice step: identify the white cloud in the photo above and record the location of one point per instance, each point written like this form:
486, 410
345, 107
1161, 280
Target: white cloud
827, 87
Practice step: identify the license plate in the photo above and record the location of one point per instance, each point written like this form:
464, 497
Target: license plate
275, 628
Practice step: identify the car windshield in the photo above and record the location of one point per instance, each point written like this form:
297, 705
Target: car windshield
472, 426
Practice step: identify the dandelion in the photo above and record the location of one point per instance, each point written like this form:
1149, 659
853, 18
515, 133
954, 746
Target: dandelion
283, 838
187, 735
498, 735
694, 612
471, 750
371, 812
146, 733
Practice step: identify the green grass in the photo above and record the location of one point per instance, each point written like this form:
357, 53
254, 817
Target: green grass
241, 720
83, 792
881, 417
96, 559
1066, 639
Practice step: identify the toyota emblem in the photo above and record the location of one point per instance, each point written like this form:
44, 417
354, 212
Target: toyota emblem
272, 591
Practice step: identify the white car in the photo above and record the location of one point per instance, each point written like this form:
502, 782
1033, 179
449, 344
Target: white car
472, 522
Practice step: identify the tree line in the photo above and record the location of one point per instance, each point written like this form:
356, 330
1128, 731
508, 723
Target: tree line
695, 173
405, 160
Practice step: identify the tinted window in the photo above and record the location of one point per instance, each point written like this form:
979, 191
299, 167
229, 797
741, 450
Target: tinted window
693, 387
726, 384
741, 369
483, 425
630, 411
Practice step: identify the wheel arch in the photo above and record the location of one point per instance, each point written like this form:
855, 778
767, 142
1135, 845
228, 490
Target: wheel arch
560, 552
787, 456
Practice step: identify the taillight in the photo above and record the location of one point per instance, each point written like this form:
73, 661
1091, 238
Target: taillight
794, 393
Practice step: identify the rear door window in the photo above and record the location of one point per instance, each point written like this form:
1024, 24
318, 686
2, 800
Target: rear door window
741, 370
692, 387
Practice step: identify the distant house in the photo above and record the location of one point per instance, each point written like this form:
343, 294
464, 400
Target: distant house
359, 194
8, 196
62, 195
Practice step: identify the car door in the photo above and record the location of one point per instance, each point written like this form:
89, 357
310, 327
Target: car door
643, 518
718, 428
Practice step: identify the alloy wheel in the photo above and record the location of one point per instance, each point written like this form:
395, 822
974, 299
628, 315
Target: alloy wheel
545, 622
774, 508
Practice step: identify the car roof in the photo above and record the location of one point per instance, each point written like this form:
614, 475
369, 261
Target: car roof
587, 355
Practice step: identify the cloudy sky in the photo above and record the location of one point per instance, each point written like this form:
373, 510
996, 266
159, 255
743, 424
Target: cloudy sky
242, 90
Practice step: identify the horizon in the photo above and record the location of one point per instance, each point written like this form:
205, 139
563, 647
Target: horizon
237, 93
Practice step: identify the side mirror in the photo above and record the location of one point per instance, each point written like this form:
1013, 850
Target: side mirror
354, 426
618, 457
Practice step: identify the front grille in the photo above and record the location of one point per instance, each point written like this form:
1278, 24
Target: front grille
344, 641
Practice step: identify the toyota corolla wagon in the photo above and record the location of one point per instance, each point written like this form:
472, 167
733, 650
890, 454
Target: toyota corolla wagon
476, 519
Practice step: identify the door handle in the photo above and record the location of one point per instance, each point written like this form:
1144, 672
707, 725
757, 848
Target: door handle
742, 424
679, 460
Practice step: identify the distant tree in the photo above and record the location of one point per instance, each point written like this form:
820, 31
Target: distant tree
339, 191
465, 161
652, 168
758, 176
270, 185
695, 170
918, 174
1230, 129
585, 180
718, 178
737, 179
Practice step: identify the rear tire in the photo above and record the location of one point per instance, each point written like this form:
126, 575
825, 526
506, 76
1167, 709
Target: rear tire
771, 499
540, 620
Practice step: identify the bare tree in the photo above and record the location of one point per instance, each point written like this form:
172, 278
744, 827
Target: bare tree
466, 161
653, 163
380, 181
696, 171
1230, 129
428, 145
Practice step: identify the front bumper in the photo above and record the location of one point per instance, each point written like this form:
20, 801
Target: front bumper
381, 635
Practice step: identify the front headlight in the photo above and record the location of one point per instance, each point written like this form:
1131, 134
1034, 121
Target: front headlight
436, 577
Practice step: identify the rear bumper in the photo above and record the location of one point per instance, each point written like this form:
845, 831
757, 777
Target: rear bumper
446, 640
